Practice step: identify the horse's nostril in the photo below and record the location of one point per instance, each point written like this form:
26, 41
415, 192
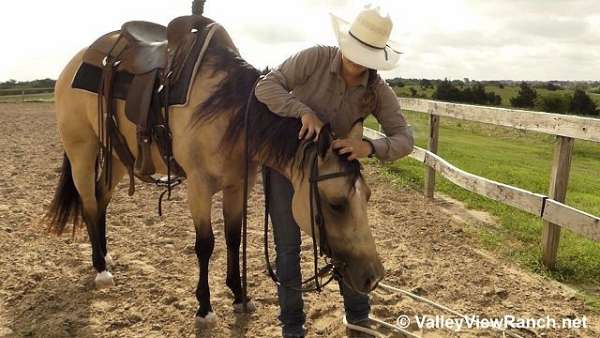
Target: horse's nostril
371, 283
368, 283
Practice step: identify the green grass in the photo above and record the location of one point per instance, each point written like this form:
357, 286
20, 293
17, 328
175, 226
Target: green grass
521, 159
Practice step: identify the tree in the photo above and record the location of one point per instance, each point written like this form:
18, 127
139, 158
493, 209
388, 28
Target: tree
551, 86
395, 82
413, 92
582, 104
448, 91
553, 103
425, 83
525, 98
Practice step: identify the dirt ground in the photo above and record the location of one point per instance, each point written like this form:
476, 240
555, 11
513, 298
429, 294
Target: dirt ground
46, 282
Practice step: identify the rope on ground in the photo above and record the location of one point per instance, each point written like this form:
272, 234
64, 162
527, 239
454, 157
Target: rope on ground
374, 333
433, 304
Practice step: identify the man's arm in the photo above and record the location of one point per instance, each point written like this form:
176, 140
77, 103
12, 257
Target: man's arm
274, 89
399, 141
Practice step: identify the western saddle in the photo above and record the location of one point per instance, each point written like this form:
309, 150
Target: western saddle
161, 63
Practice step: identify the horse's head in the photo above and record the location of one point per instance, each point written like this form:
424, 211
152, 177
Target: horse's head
342, 200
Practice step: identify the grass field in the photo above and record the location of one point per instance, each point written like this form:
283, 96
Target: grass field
521, 159
505, 93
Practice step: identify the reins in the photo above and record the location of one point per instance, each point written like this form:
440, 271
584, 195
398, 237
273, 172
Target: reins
316, 216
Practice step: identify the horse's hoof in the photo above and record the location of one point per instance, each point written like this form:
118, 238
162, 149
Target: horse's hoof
108, 259
104, 280
239, 307
209, 320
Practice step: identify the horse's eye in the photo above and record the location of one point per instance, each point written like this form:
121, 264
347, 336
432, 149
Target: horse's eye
338, 207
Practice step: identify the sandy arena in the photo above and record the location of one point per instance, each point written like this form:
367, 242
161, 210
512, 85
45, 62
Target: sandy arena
47, 289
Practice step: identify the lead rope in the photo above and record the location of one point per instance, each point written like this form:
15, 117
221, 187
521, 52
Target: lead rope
245, 201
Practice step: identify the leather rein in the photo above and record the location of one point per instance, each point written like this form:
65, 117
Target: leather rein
317, 221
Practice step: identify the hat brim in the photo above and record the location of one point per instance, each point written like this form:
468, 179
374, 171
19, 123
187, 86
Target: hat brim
357, 52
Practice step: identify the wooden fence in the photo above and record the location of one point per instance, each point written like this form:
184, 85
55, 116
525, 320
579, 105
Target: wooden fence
550, 207
24, 94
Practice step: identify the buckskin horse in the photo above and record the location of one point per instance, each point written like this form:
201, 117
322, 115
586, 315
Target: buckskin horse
209, 134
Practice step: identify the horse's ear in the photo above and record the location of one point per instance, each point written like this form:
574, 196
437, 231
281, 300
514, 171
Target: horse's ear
356, 132
324, 140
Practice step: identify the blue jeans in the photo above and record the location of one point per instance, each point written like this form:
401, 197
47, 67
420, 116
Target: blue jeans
287, 246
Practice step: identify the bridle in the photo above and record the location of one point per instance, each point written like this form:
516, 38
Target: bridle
317, 221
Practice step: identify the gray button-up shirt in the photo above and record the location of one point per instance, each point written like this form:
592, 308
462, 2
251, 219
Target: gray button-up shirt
311, 82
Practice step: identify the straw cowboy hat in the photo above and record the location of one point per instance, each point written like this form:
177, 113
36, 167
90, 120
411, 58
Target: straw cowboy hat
367, 40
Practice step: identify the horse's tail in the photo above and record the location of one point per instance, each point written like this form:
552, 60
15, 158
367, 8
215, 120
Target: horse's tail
66, 204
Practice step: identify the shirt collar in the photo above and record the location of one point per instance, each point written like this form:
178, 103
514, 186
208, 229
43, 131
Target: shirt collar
336, 67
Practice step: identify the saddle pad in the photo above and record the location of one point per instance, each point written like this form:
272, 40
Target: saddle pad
89, 77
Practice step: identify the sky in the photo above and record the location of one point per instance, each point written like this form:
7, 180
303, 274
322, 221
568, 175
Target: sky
456, 39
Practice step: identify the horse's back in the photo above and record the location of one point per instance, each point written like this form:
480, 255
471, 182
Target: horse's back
74, 107
196, 146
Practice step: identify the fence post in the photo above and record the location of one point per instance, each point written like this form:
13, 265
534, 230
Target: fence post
559, 179
434, 132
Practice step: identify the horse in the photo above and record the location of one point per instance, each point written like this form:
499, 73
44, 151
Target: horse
209, 142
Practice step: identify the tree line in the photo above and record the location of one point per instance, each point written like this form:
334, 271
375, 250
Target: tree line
14, 84
579, 103
554, 100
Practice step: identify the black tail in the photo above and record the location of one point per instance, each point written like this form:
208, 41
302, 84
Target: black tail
66, 205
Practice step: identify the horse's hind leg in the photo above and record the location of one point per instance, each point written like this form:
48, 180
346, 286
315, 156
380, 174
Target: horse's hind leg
104, 194
232, 215
199, 195
82, 155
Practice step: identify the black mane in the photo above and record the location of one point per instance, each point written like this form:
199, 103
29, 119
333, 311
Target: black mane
269, 134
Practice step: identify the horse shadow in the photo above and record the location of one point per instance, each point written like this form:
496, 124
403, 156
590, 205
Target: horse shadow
237, 329
53, 307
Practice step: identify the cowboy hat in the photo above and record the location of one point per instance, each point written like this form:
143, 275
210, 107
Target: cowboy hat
367, 40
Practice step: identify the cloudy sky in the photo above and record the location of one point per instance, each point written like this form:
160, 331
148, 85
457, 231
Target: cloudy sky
491, 39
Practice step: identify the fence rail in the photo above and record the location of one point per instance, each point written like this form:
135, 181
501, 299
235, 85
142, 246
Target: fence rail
551, 207
25, 91
25, 95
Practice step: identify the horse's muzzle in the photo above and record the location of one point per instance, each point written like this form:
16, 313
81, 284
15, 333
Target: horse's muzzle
362, 275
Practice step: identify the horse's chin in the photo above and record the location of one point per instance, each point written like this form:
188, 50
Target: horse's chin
362, 280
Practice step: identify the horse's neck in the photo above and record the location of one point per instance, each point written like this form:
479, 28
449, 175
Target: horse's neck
297, 167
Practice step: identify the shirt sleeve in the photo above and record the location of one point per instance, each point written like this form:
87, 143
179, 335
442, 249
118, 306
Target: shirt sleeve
275, 88
399, 141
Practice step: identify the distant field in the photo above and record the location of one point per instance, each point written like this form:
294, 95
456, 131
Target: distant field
505, 93
521, 159
44, 97
16, 95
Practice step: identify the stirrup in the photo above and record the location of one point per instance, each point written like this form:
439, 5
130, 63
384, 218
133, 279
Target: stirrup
164, 181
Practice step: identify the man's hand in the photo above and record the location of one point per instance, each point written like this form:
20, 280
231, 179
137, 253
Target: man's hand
355, 148
311, 126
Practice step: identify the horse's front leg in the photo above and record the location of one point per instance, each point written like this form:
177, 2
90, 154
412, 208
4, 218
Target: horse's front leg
200, 204
232, 215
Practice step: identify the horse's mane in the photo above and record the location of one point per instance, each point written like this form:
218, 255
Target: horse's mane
269, 134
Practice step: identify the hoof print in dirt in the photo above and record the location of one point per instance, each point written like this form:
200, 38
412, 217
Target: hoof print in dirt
104, 280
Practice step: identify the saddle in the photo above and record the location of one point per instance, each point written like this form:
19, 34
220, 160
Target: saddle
156, 65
